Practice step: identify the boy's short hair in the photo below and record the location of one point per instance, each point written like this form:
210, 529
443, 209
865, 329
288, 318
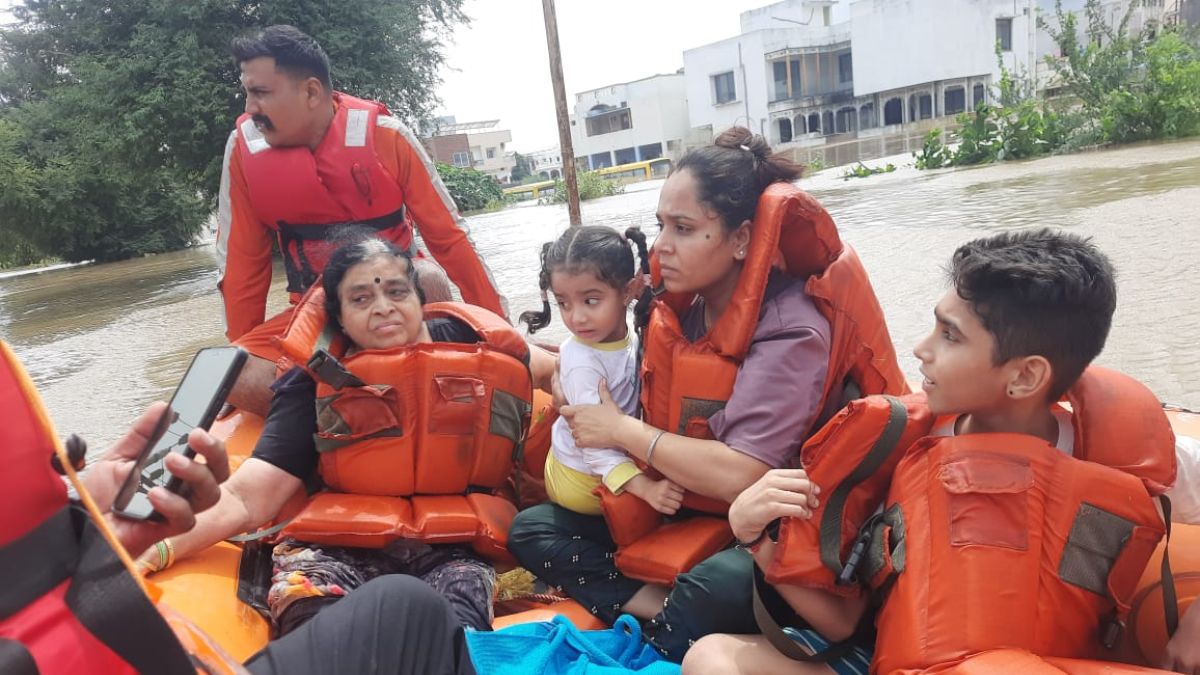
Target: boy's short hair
295, 52
1039, 292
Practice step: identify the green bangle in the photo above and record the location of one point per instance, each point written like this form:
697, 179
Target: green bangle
161, 548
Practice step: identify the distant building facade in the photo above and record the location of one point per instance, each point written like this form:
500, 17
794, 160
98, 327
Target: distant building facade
478, 145
546, 163
802, 70
630, 122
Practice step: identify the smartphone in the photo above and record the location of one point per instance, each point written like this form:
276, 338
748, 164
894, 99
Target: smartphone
195, 404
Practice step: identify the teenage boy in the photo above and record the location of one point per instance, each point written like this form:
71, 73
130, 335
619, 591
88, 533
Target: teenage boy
1026, 314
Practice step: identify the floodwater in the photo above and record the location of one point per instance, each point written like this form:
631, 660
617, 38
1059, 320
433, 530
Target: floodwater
102, 341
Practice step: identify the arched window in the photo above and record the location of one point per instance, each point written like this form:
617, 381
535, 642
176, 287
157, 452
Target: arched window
893, 111
866, 116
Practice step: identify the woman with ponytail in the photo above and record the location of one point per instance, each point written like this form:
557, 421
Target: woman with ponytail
705, 211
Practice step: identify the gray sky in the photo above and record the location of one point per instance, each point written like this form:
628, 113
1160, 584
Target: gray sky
498, 67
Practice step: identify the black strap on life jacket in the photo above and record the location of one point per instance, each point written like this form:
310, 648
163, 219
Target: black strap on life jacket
300, 272
102, 595
845, 571
768, 604
1170, 598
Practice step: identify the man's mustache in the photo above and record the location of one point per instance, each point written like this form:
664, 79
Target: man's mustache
264, 122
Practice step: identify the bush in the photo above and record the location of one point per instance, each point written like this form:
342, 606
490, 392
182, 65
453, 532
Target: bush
1129, 88
471, 190
934, 154
591, 186
1125, 88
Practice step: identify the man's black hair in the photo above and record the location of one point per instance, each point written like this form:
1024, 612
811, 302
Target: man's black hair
293, 50
1039, 293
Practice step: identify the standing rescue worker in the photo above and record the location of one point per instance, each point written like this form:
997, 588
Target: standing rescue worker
302, 159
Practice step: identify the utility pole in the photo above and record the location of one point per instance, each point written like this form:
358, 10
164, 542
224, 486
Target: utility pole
560, 106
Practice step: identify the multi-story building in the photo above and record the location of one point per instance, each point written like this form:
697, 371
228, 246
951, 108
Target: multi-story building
453, 149
630, 122
478, 145
546, 163
801, 70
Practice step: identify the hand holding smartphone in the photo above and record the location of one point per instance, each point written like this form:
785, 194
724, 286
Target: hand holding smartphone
195, 404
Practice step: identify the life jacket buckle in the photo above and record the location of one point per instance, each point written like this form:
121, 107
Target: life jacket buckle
1111, 631
328, 370
849, 573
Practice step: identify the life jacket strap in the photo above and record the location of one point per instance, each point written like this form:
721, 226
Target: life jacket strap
102, 595
831, 520
300, 272
324, 365
1170, 598
766, 598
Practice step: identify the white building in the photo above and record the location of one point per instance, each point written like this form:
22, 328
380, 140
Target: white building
630, 122
803, 69
546, 163
487, 145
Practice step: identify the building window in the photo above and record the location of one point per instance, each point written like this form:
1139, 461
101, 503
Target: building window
462, 159
601, 160
785, 129
956, 100
603, 121
1004, 34
491, 153
724, 89
893, 112
978, 95
651, 151
845, 68
625, 155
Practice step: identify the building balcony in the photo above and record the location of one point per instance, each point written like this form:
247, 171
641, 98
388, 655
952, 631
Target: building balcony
812, 101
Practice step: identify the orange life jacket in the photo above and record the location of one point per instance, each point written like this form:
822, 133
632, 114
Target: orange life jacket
1003, 541
414, 441
303, 194
684, 382
71, 601
852, 458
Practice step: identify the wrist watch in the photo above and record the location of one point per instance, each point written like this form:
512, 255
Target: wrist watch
771, 531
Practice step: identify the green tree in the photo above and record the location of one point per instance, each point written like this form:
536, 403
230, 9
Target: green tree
471, 190
521, 171
121, 109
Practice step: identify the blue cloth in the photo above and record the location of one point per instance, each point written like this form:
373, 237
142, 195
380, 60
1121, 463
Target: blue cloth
856, 662
558, 647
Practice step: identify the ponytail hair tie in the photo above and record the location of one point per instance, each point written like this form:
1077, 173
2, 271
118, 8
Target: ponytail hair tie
745, 147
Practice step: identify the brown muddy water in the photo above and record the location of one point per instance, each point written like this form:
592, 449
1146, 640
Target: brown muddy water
102, 341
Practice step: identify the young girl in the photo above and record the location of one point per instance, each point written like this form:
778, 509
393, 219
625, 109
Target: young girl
591, 272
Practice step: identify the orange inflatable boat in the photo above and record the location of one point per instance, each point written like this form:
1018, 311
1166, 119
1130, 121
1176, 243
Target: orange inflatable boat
204, 587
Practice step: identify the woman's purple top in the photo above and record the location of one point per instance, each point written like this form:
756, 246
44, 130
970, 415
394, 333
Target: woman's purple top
777, 393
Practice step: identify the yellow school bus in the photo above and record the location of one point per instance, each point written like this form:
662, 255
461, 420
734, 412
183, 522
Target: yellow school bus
531, 190
637, 171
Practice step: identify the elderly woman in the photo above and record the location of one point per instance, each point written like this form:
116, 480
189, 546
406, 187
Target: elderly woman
374, 303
